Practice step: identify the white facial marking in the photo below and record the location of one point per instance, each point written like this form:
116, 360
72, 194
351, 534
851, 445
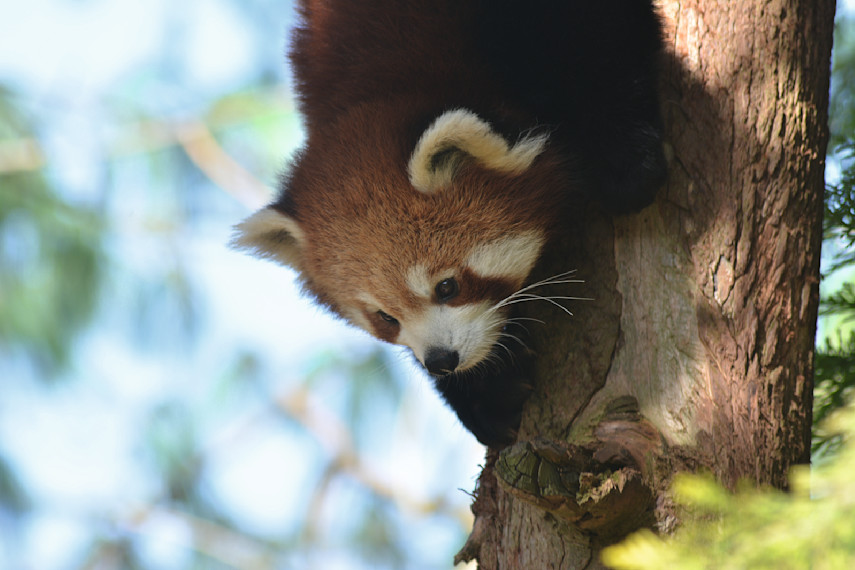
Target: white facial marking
419, 281
369, 301
508, 257
356, 317
471, 330
464, 130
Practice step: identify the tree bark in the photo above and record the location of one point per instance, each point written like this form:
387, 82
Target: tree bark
697, 348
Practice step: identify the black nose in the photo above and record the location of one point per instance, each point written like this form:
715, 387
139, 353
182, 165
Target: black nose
441, 361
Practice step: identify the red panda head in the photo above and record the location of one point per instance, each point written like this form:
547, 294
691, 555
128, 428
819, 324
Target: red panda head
415, 239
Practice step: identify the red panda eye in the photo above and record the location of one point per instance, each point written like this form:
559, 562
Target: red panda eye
447, 289
387, 317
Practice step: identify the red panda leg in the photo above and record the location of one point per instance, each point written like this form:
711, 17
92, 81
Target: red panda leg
489, 400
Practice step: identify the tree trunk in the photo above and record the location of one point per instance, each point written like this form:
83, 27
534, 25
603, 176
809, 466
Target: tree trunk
697, 350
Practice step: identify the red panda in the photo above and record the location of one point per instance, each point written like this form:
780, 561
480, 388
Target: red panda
446, 141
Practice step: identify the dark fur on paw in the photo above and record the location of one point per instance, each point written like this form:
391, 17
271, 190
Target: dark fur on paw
489, 400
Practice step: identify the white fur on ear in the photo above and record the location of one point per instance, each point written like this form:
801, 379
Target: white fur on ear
270, 234
458, 134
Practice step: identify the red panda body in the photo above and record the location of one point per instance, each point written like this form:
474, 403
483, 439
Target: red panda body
446, 141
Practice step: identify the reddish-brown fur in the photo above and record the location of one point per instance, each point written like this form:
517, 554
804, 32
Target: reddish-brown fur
371, 241
366, 226
350, 52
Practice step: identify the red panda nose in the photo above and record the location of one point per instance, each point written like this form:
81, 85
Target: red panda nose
441, 361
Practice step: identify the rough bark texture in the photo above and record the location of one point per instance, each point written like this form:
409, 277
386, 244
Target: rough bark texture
698, 348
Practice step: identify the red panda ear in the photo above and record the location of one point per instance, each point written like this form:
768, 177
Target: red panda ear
460, 135
270, 234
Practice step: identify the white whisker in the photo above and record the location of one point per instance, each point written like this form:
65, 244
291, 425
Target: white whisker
538, 298
533, 297
508, 350
557, 304
559, 278
515, 319
516, 338
525, 295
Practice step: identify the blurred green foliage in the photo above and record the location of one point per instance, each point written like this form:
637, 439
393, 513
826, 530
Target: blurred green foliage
64, 267
835, 357
13, 498
839, 219
835, 383
51, 262
758, 529
106, 220
842, 95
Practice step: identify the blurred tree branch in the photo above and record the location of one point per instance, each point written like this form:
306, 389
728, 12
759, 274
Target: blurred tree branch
334, 435
209, 156
195, 137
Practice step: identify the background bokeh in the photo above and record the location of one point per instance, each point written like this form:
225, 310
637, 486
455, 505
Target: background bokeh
166, 403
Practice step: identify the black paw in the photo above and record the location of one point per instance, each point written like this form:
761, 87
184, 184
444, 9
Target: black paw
629, 178
489, 406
